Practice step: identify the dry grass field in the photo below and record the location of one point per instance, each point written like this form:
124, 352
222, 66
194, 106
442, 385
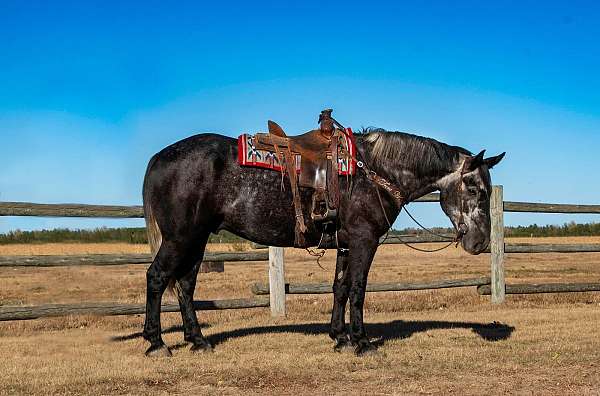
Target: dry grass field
431, 342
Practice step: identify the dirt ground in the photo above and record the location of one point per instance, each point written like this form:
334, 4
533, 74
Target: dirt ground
430, 342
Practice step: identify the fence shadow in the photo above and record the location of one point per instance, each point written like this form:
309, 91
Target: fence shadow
380, 332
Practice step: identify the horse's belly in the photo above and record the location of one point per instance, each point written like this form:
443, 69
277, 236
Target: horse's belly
261, 210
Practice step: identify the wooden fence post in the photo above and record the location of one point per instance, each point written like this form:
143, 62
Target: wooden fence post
276, 282
498, 287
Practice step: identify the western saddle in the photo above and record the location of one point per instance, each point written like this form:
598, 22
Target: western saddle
318, 153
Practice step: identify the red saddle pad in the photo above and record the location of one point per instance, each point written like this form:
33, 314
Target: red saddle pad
249, 155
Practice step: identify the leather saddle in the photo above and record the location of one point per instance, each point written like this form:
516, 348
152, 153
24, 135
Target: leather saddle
317, 151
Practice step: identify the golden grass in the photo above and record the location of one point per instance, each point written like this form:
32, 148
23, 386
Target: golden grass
100, 248
432, 341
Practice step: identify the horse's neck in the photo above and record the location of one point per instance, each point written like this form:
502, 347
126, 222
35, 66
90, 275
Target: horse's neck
412, 184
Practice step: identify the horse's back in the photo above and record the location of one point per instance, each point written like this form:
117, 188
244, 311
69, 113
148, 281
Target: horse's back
208, 143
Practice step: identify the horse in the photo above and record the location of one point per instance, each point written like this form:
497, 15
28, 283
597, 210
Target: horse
196, 187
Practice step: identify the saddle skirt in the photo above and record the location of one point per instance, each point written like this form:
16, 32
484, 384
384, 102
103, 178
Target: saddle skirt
253, 153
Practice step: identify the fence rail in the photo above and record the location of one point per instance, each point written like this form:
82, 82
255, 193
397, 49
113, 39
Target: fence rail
324, 288
69, 210
533, 207
508, 247
533, 288
118, 259
49, 310
552, 248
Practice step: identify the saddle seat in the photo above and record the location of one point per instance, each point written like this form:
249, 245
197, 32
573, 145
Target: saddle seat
313, 148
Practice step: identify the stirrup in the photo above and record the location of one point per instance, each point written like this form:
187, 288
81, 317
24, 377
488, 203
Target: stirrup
324, 216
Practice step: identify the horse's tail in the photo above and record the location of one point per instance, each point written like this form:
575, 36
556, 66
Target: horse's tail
152, 228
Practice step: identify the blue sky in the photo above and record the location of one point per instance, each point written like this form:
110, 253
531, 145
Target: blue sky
90, 90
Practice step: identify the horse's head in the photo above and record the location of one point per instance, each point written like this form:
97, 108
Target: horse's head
465, 198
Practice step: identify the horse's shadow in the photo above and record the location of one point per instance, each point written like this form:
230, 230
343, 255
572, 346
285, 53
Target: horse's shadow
379, 332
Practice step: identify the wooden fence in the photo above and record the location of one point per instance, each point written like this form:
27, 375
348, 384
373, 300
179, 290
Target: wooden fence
498, 288
277, 289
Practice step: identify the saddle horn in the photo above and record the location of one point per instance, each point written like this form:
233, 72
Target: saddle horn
326, 123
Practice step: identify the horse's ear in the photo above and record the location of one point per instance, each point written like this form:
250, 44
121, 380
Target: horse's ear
275, 129
493, 161
477, 161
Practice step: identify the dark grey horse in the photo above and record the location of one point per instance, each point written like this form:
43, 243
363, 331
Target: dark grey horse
195, 187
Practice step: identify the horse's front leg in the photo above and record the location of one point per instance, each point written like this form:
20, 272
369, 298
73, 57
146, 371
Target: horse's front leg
359, 262
341, 288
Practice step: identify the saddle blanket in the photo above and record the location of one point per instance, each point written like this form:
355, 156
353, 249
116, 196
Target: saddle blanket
249, 155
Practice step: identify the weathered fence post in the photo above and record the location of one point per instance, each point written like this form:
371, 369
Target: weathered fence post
276, 282
498, 287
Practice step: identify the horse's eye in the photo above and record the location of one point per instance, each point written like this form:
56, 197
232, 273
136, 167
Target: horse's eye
472, 191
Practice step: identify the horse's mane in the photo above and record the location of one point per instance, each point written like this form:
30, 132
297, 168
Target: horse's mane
419, 154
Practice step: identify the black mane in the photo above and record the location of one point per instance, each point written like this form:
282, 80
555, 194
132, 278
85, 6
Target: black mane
419, 154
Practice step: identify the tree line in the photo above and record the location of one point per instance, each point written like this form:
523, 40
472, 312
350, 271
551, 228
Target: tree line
138, 235
98, 235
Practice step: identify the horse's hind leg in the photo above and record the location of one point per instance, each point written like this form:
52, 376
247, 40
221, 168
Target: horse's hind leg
172, 258
184, 288
185, 294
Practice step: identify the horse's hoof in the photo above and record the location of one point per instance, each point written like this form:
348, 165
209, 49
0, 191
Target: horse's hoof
159, 351
366, 350
202, 348
342, 347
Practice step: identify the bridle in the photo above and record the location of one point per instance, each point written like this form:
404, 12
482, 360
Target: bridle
462, 227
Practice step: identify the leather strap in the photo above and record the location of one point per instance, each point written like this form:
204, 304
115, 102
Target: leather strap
387, 186
290, 164
334, 190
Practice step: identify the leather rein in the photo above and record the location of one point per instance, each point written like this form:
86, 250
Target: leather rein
395, 192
